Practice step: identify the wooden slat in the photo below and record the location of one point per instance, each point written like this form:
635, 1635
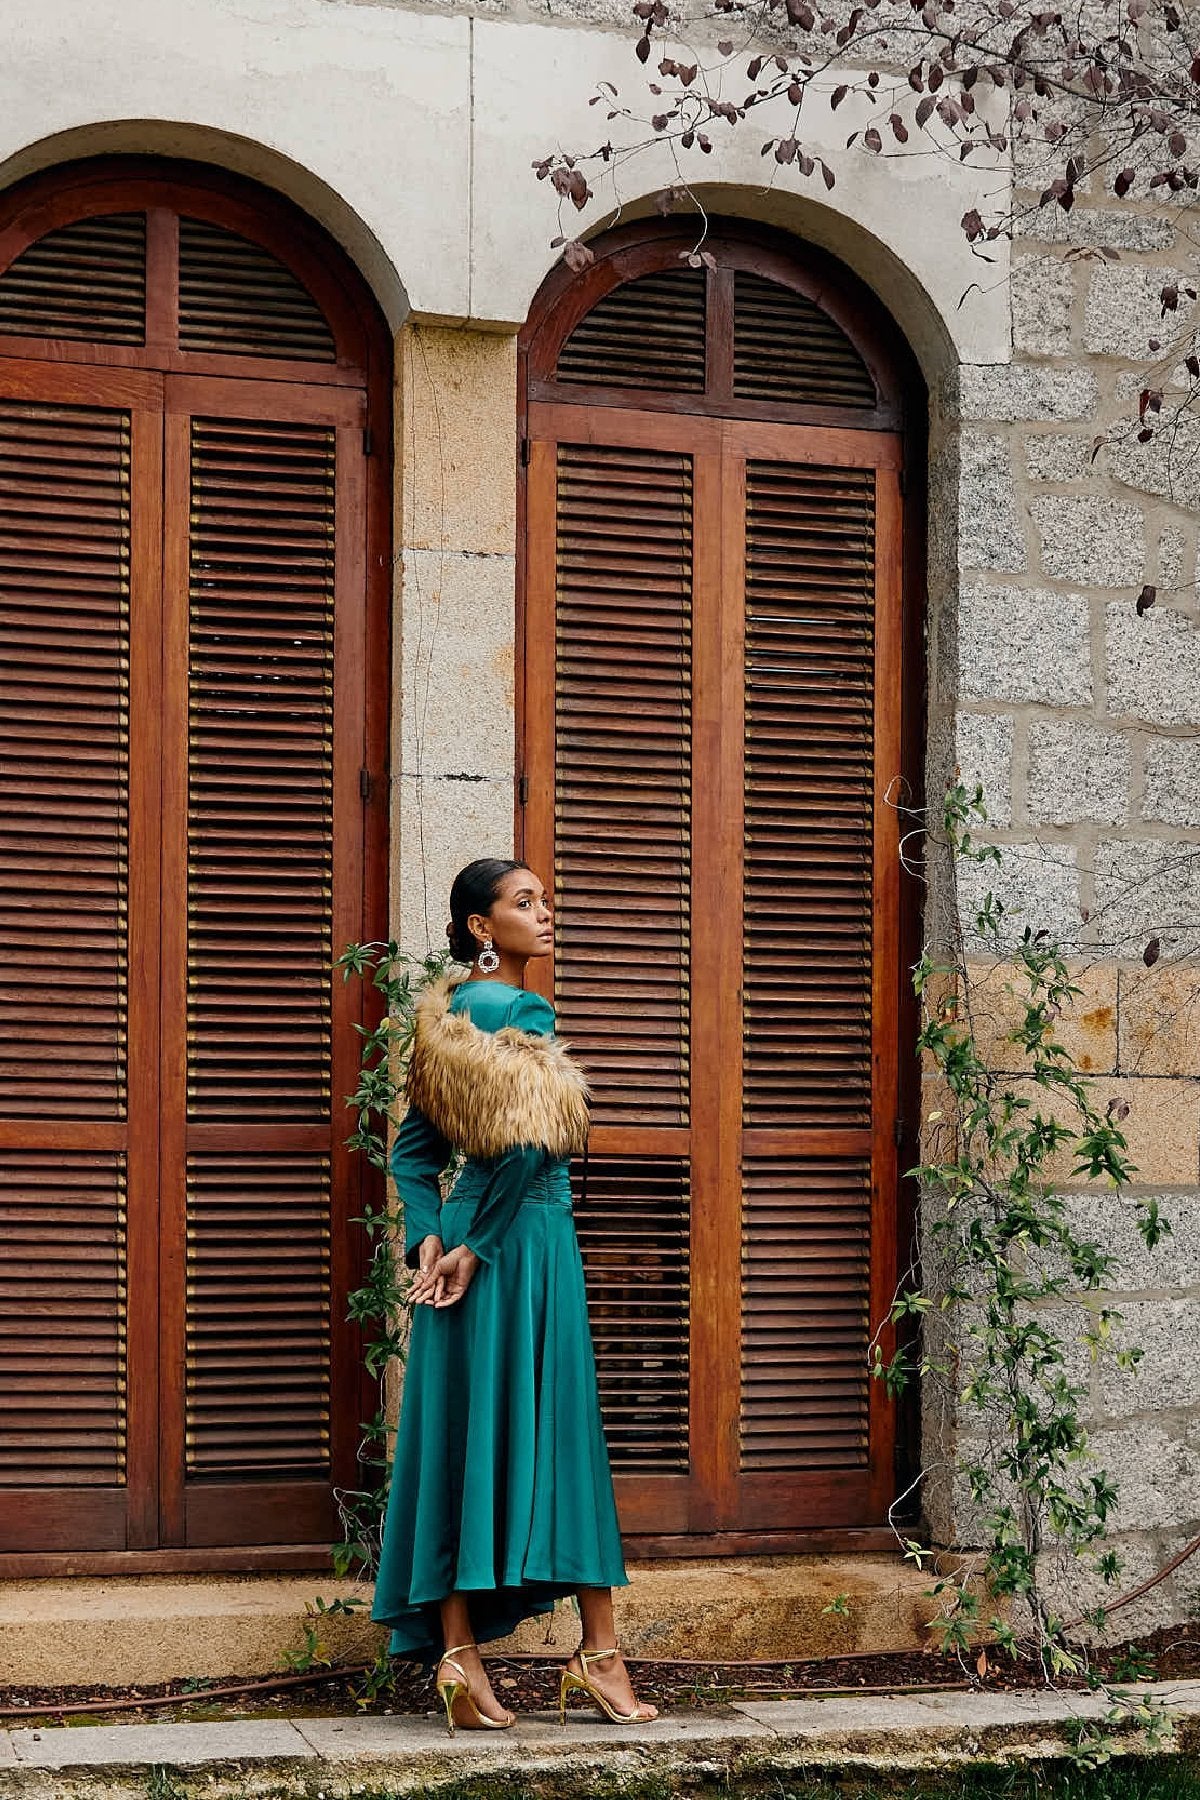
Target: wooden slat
622, 774
260, 801
892, 996
235, 298
809, 794
806, 1282
359, 852
64, 747
785, 347
716, 1035
258, 1314
145, 996
62, 1319
86, 281
648, 333
258, 1511
633, 1234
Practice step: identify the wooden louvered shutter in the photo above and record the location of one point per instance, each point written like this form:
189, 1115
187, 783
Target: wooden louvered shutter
704, 655
648, 334
236, 299
86, 282
786, 349
78, 1094
819, 980
258, 1062
191, 816
712, 704
619, 680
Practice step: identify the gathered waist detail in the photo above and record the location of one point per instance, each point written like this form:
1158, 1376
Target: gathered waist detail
550, 1186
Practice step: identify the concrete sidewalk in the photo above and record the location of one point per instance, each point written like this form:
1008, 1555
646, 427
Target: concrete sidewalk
334, 1758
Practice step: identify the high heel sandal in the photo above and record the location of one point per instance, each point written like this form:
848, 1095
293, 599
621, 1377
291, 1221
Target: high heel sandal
572, 1683
452, 1691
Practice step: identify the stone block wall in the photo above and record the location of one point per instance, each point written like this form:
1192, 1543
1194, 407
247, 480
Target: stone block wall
1081, 720
1079, 716
454, 747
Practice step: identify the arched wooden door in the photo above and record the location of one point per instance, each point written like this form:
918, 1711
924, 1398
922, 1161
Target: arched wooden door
717, 691
192, 539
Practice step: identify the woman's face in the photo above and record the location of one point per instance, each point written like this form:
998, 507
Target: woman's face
520, 922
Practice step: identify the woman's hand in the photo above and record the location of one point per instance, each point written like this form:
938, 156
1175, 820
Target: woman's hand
454, 1272
426, 1287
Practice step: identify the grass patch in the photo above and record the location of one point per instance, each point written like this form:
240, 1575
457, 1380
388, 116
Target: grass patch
1134, 1778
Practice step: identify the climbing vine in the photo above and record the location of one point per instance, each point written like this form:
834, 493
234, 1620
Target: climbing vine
377, 1306
981, 1314
1007, 1286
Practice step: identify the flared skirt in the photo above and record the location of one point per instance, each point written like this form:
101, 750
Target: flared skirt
501, 1485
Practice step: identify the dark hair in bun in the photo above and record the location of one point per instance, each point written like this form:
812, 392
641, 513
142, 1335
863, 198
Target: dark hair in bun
474, 891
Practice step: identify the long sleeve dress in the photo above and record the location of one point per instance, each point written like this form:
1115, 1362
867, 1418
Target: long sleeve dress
501, 1484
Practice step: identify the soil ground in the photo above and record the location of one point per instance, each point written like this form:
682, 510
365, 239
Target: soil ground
531, 1684
1136, 1779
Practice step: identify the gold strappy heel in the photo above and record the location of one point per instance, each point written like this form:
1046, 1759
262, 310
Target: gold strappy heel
452, 1691
572, 1683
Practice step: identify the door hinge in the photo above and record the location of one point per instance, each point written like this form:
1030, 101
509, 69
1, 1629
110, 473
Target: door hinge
365, 783
368, 441
522, 789
902, 480
524, 452
898, 1131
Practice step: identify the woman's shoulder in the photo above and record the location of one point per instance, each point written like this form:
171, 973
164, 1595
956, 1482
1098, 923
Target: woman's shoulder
529, 1012
493, 1004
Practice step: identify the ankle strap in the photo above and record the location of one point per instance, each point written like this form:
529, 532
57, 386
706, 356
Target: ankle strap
456, 1650
591, 1656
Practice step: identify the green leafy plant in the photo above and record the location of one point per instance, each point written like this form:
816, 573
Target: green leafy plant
1132, 1663
316, 1654
377, 1306
163, 1784
1003, 1266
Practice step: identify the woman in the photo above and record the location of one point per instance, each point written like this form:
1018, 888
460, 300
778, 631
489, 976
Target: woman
501, 1497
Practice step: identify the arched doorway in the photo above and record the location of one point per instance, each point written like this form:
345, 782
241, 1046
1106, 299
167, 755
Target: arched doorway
720, 646
193, 560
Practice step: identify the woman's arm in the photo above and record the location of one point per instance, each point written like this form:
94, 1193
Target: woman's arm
511, 1174
446, 1279
510, 1178
418, 1156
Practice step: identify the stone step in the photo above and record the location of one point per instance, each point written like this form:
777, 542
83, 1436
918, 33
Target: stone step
773, 1746
138, 1629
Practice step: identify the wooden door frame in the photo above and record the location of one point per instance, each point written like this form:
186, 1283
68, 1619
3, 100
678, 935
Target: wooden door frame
561, 302
109, 184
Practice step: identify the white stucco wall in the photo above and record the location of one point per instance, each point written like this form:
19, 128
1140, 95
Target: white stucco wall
410, 133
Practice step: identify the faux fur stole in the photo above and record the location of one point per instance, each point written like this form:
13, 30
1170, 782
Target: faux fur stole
488, 1091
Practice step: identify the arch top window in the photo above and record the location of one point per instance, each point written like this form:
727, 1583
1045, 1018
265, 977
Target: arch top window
141, 280
194, 551
719, 687
746, 334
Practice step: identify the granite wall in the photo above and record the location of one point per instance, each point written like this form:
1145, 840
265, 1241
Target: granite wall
1080, 719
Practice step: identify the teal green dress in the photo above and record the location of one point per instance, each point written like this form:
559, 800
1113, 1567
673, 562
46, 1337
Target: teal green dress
501, 1484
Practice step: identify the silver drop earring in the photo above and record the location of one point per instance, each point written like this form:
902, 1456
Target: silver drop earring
488, 959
